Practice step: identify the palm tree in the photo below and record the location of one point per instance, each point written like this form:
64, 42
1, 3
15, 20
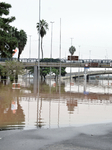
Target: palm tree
43, 25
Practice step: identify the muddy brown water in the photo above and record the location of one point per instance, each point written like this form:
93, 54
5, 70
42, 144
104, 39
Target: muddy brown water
55, 106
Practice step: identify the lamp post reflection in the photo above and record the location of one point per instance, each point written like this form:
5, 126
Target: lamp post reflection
49, 113
59, 77
59, 104
50, 106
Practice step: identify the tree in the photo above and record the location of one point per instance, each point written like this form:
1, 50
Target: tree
72, 49
3, 74
10, 37
11, 69
4, 8
44, 71
54, 69
22, 39
7, 42
43, 25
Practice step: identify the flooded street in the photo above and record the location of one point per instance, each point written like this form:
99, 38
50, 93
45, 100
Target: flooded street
55, 106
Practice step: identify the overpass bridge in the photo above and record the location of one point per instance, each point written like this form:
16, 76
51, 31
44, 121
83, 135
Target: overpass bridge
83, 63
91, 63
88, 73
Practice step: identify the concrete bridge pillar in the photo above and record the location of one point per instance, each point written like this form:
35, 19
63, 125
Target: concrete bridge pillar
35, 73
85, 78
35, 78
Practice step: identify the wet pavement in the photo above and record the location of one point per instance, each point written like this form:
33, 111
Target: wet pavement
90, 137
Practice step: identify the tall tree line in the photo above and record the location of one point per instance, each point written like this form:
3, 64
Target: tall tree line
10, 37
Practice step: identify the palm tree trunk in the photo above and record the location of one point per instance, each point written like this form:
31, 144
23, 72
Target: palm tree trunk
42, 47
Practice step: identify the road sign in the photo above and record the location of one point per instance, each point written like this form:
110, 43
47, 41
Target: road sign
73, 58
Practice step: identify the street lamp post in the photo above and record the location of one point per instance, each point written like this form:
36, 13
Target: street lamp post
29, 53
30, 47
71, 41
60, 60
89, 54
78, 69
106, 57
70, 62
89, 57
51, 37
51, 45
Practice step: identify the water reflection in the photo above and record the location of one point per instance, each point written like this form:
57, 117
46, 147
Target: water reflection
55, 105
11, 112
40, 120
71, 104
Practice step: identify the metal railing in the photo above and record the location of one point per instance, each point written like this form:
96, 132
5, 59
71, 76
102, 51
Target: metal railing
101, 61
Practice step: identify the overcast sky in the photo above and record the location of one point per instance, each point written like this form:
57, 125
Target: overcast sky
88, 22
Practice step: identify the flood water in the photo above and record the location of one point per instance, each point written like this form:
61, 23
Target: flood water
55, 105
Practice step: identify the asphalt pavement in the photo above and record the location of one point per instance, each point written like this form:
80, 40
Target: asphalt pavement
88, 137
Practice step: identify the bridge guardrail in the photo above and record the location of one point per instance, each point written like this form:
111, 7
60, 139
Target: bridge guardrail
63, 60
